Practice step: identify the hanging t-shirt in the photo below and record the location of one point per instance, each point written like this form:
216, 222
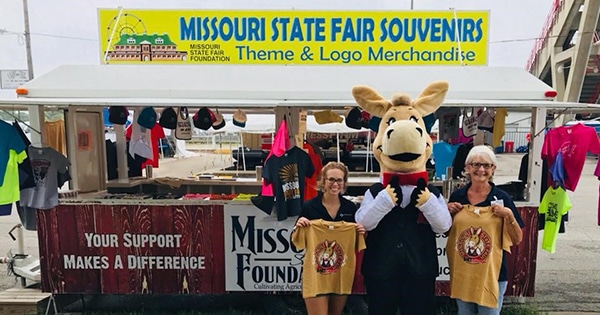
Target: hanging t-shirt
554, 204
25, 171
156, 133
448, 123
474, 250
443, 155
573, 142
312, 188
485, 119
46, 164
469, 122
558, 171
10, 140
499, 126
9, 190
140, 142
55, 135
597, 174
287, 173
330, 256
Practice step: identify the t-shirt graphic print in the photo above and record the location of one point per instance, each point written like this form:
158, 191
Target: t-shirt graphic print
330, 256
474, 245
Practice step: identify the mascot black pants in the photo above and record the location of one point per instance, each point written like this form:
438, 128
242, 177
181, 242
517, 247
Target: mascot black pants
400, 291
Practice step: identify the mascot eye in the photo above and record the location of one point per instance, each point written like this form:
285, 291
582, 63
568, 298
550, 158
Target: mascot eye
413, 118
391, 121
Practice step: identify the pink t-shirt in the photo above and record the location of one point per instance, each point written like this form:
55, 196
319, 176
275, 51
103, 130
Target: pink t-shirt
573, 142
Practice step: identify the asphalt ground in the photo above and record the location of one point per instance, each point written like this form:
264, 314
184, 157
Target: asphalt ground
566, 282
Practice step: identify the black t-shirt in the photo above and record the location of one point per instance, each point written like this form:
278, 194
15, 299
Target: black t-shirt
460, 195
111, 159
134, 164
314, 209
287, 173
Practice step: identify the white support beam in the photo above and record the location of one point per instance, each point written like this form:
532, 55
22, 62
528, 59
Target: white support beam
562, 56
534, 182
587, 27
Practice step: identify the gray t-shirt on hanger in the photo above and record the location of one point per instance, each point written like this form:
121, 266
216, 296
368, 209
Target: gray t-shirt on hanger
46, 163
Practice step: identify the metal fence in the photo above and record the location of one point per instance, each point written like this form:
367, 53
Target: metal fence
517, 137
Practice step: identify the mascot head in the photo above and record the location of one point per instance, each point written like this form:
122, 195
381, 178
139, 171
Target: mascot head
402, 144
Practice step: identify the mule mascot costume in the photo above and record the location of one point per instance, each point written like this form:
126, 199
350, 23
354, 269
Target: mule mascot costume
402, 213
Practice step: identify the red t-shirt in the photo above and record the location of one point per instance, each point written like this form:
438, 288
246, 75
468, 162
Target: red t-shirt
156, 133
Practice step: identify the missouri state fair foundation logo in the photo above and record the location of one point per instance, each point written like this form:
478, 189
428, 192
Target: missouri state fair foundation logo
329, 257
474, 245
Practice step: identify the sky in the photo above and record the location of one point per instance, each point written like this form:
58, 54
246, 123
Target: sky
66, 31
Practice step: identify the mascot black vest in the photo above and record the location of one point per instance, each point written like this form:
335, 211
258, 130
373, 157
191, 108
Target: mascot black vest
399, 241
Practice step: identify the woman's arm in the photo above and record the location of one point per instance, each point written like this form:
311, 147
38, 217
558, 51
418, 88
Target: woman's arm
513, 228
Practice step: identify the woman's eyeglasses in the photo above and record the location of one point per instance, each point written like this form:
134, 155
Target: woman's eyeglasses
332, 180
486, 166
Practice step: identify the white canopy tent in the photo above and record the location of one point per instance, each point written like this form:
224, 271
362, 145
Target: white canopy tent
260, 89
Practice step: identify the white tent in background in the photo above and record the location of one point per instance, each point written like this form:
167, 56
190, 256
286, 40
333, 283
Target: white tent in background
255, 124
313, 126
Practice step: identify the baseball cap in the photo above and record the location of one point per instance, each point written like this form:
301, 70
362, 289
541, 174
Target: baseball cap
239, 118
326, 117
204, 118
147, 118
354, 118
118, 115
219, 121
168, 118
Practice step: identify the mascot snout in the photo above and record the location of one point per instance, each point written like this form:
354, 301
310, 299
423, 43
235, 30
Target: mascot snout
404, 141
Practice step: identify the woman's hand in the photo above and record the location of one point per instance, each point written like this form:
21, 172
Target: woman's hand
302, 221
361, 229
454, 207
502, 211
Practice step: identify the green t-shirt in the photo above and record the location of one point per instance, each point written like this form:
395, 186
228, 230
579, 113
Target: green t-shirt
554, 204
9, 190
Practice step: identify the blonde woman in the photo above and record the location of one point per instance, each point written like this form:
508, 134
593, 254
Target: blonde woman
329, 206
485, 224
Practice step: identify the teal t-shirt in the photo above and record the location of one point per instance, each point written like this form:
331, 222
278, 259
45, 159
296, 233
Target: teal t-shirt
10, 140
555, 204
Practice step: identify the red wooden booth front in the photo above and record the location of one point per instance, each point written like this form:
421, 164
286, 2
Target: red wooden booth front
207, 248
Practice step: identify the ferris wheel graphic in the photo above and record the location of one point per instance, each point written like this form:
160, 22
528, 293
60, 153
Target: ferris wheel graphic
126, 23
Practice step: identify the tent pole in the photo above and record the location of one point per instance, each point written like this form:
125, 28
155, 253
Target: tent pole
367, 155
337, 135
243, 151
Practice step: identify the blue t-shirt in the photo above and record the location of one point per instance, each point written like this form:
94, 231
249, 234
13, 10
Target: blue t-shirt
9, 140
443, 155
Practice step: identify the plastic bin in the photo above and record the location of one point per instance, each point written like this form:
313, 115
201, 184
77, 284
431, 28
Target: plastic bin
509, 146
500, 148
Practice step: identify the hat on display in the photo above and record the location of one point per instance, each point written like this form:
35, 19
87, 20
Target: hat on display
374, 123
168, 118
118, 115
354, 118
147, 118
365, 117
219, 121
239, 118
204, 118
327, 116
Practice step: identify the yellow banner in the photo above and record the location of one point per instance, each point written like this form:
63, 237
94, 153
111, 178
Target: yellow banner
294, 37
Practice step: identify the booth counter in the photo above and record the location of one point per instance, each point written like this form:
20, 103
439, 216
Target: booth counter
150, 246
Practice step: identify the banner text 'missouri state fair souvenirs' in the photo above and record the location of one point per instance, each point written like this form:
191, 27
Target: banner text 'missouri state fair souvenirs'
294, 37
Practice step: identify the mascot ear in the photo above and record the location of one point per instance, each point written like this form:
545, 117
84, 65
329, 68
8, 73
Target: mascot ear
431, 98
369, 100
